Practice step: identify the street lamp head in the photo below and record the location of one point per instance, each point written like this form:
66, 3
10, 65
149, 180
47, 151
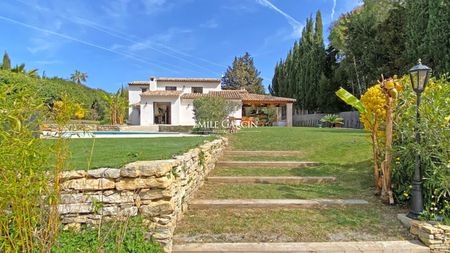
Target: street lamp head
419, 74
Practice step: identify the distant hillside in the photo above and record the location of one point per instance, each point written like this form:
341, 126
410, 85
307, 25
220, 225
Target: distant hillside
50, 90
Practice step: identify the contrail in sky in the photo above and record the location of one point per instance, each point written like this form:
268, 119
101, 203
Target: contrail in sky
64, 36
296, 25
333, 9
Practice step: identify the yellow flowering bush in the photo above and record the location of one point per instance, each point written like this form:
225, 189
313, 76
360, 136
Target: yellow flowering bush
80, 112
374, 101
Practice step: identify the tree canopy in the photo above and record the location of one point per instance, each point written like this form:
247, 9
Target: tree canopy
242, 74
380, 37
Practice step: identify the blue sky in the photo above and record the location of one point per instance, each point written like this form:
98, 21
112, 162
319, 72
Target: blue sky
117, 41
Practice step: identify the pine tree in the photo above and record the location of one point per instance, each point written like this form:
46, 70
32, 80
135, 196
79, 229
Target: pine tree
243, 75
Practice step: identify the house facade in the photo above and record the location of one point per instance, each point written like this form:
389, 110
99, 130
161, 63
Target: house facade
169, 101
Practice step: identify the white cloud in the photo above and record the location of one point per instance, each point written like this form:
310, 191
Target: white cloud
212, 23
333, 9
296, 25
117, 8
151, 6
47, 62
239, 8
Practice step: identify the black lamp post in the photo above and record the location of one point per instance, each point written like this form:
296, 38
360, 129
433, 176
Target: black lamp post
419, 75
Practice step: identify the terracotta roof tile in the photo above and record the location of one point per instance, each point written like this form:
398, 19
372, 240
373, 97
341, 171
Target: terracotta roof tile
241, 95
227, 94
250, 97
139, 83
165, 93
176, 79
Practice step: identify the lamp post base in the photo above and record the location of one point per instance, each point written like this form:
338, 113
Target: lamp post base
413, 215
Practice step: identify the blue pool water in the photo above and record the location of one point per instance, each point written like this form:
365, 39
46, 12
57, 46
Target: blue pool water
116, 133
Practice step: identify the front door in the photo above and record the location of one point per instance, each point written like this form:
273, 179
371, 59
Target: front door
161, 112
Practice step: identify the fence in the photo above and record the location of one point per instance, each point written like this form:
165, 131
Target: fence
351, 119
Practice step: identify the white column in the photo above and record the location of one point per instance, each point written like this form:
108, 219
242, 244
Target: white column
289, 114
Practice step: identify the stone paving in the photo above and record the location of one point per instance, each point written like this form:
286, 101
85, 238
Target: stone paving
319, 247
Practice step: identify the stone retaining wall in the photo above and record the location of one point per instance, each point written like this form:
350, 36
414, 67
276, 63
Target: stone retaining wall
157, 190
435, 236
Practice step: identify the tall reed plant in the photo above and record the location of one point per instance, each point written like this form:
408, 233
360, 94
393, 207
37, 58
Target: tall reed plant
29, 189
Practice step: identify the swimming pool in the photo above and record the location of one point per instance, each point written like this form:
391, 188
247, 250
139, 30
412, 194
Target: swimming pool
120, 133
114, 134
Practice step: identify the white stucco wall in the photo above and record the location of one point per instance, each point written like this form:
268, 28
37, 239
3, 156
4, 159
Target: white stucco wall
181, 110
187, 112
134, 97
134, 92
147, 116
185, 87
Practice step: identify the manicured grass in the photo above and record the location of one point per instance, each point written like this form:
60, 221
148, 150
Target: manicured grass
120, 151
372, 222
277, 191
352, 181
318, 144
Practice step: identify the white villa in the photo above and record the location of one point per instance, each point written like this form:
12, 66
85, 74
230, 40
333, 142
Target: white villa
168, 101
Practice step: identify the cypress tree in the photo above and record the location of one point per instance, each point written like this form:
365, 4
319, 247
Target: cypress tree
6, 63
274, 87
438, 42
416, 29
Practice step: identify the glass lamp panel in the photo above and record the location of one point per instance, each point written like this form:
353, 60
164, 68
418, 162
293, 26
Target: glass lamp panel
413, 76
422, 79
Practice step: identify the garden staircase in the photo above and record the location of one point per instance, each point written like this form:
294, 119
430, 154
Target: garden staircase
234, 159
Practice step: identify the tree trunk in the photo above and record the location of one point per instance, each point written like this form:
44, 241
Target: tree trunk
375, 156
386, 193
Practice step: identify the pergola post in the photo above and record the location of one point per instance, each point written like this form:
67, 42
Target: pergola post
289, 114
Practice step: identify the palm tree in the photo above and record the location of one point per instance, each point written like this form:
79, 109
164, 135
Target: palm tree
78, 77
21, 69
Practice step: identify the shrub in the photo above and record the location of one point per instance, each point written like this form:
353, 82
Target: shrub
332, 120
434, 148
210, 112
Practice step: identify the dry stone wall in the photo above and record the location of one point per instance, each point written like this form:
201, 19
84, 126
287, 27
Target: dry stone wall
159, 191
435, 236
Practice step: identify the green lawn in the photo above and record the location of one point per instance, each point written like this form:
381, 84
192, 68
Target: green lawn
318, 144
120, 151
285, 225
343, 153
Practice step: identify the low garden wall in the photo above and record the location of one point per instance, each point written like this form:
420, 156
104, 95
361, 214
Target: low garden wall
89, 127
159, 191
435, 236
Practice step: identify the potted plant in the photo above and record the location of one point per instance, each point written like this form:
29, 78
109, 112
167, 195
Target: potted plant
333, 120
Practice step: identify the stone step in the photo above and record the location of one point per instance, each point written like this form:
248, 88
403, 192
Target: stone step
310, 247
262, 153
271, 180
272, 203
266, 164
